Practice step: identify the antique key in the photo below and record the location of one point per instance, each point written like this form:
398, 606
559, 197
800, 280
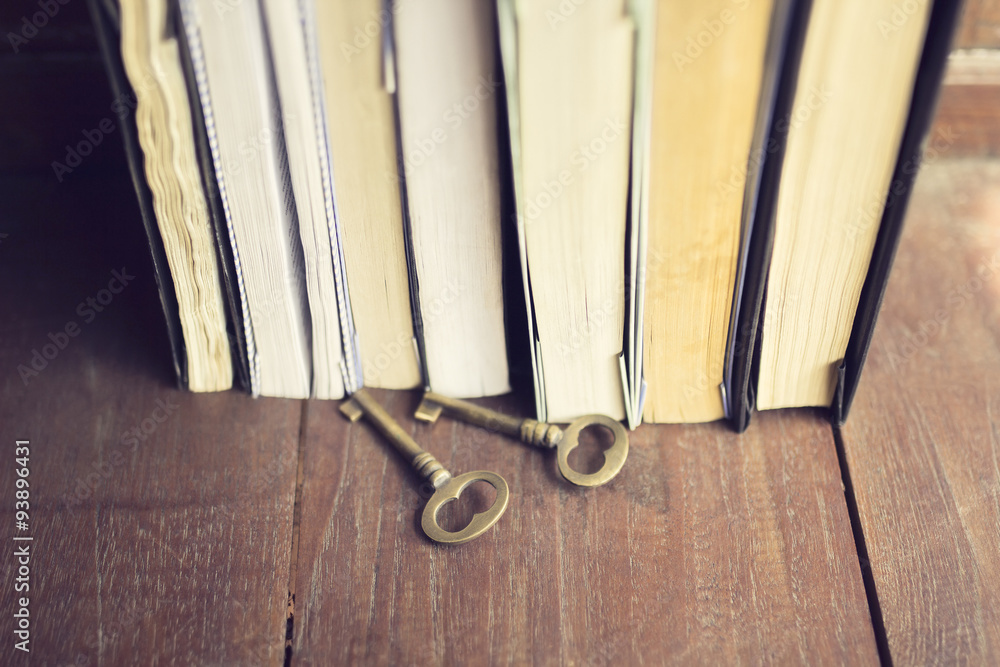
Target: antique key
536, 433
446, 487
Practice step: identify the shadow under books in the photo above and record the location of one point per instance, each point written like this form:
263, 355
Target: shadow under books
78, 278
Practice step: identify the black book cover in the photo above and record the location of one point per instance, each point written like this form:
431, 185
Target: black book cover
784, 54
941, 30
107, 26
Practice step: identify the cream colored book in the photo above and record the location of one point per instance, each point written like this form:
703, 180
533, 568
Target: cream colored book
569, 70
359, 81
448, 93
150, 54
839, 161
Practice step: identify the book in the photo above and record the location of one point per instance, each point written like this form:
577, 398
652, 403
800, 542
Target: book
139, 43
359, 84
634, 385
569, 75
293, 50
838, 165
447, 82
710, 84
235, 88
150, 56
833, 258
941, 30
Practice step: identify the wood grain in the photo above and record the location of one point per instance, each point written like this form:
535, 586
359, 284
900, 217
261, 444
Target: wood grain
923, 439
172, 546
708, 546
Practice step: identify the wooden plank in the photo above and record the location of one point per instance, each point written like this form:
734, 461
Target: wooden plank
923, 440
709, 547
968, 116
170, 544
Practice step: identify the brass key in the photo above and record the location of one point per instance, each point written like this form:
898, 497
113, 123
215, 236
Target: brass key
536, 433
446, 487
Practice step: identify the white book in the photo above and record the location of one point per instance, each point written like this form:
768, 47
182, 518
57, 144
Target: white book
291, 35
233, 76
447, 98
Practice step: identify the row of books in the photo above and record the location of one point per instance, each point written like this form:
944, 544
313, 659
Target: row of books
693, 204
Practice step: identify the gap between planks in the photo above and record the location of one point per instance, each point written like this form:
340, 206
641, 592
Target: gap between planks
293, 559
861, 547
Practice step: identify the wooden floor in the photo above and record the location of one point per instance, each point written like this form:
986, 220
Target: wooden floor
226, 530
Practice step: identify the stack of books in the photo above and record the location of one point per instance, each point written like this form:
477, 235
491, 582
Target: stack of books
692, 204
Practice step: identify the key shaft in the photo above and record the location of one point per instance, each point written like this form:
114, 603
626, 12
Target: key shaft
530, 431
361, 404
